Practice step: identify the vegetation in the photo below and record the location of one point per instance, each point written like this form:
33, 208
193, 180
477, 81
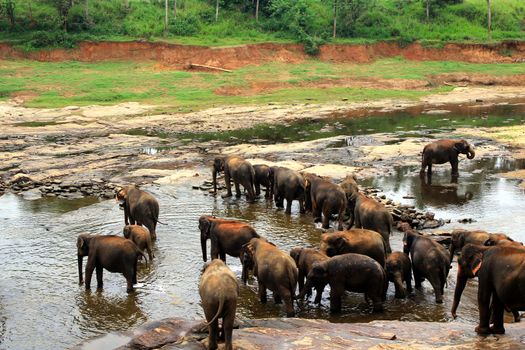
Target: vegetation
46, 23
76, 83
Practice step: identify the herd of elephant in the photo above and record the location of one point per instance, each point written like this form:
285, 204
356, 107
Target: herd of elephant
357, 259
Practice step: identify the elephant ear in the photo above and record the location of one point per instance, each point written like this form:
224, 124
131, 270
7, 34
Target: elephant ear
80, 242
476, 265
461, 146
340, 245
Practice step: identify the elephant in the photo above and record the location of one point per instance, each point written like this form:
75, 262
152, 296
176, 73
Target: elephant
327, 199
140, 208
226, 236
399, 270
352, 272
274, 269
430, 260
239, 171
372, 215
501, 276
113, 253
219, 290
304, 259
288, 184
351, 189
462, 237
443, 151
263, 177
465, 273
140, 236
358, 241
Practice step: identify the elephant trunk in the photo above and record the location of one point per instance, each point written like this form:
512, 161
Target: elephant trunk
470, 152
203, 247
461, 282
80, 277
307, 286
400, 288
214, 174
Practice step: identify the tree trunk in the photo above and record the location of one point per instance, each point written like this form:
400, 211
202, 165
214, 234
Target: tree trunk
217, 11
86, 10
257, 11
126, 3
30, 12
489, 20
428, 10
165, 16
175, 9
335, 19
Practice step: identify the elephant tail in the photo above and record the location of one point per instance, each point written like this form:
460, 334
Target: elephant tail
219, 311
160, 222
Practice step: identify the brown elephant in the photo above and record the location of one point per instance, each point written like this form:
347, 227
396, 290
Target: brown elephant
430, 260
237, 170
304, 259
140, 236
288, 184
445, 151
263, 177
275, 270
501, 283
219, 290
140, 208
399, 270
351, 189
327, 199
372, 215
461, 237
352, 272
358, 241
226, 236
113, 253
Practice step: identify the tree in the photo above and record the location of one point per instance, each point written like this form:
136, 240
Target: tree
335, 19
257, 11
489, 20
175, 9
63, 7
216, 10
165, 16
8, 9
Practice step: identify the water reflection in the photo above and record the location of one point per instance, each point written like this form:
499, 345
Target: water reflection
98, 310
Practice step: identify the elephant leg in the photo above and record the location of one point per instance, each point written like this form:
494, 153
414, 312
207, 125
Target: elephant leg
151, 228
227, 327
434, 281
288, 206
90, 266
150, 254
318, 294
335, 298
454, 165
277, 298
99, 270
285, 294
516, 315
300, 279
408, 280
257, 189
302, 209
484, 296
497, 313
326, 220
262, 292
213, 334
237, 189
417, 278
228, 184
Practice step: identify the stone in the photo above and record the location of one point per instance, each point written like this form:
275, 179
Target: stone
32, 194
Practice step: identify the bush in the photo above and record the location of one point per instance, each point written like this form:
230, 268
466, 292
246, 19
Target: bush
185, 25
51, 39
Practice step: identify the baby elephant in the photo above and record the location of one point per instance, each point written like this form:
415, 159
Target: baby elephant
219, 290
398, 270
140, 236
305, 258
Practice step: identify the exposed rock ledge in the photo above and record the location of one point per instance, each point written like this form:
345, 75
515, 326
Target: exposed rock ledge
294, 333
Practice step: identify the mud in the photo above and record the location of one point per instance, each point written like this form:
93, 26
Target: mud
180, 56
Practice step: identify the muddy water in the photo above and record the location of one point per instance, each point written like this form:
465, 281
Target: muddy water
41, 305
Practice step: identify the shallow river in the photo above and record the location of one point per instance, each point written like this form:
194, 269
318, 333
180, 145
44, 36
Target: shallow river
42, 306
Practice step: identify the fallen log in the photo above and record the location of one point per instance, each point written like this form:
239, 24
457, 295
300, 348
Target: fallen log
195, 65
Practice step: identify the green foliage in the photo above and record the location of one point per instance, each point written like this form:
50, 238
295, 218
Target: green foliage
305, 21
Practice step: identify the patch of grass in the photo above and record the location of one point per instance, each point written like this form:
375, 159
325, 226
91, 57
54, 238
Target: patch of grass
107, 83
35, 124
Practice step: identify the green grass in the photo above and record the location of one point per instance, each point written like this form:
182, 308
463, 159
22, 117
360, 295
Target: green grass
107, 83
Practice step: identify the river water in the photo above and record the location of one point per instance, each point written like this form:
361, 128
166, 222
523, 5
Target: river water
42, 306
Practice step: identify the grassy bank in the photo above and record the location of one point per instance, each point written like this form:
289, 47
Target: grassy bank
76, 83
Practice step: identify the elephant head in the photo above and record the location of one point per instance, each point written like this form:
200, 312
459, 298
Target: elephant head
351, 190
248, 263
408, 240
218, 166
295, 253
82, 251
333, 244
126, 231
317, 277
469, 264
498, 239
205, 228
464, 147
122, 194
